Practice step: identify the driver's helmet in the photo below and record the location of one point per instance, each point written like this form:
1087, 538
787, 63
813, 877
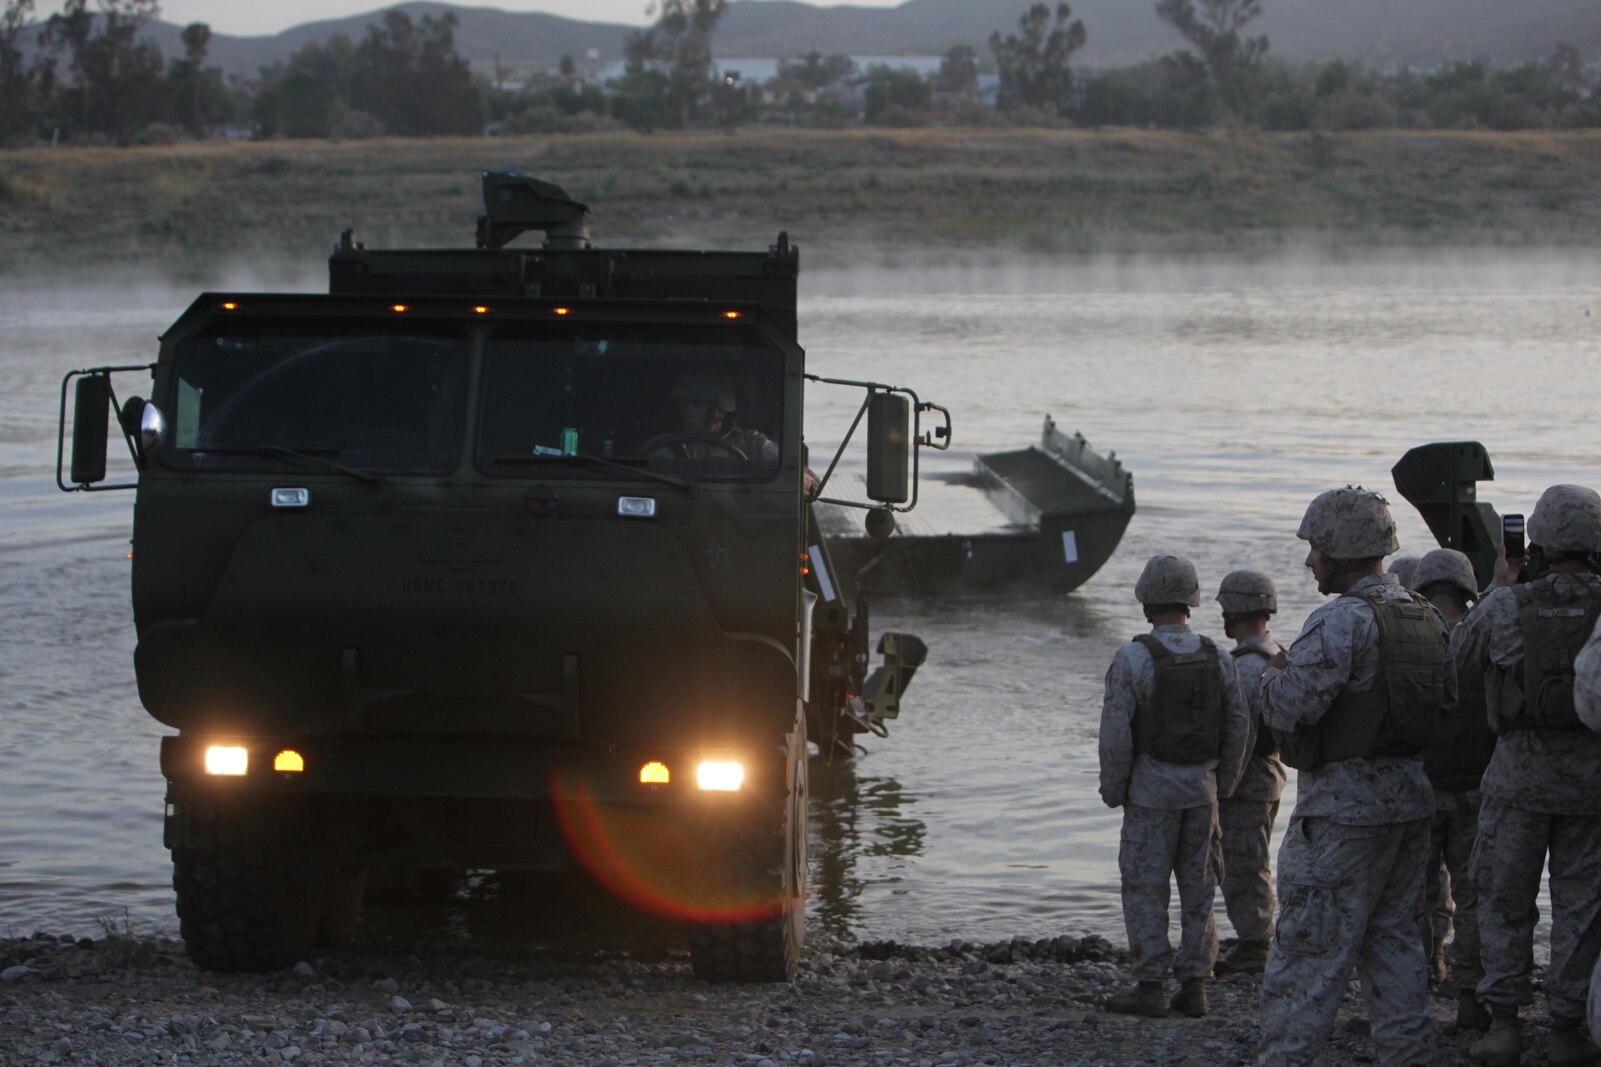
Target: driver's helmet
701, 386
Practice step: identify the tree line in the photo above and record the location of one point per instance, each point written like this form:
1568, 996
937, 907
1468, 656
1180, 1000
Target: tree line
94, 77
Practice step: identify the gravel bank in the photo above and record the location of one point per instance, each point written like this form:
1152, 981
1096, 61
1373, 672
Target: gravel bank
126, 1001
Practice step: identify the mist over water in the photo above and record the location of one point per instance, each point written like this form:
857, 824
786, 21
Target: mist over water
1234, 390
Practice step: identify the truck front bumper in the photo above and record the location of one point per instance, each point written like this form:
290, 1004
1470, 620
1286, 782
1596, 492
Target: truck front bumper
475, 767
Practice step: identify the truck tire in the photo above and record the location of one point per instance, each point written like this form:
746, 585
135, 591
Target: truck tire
343, 896
240, 906
766, 949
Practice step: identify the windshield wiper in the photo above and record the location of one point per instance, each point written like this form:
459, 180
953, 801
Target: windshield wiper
310, 457
600, 461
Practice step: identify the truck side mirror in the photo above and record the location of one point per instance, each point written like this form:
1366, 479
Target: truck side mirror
889, 448
91, 400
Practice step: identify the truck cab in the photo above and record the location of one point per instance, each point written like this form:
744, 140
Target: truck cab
494, 558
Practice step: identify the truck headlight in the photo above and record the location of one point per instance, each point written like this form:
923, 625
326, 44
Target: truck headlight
231, 760
724, 776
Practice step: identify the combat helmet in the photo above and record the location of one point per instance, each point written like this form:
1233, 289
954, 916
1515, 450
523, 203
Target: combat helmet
699, 385
1349, 523
1404, 568
1247, 593
1566, 518
1168, 580
1449, 566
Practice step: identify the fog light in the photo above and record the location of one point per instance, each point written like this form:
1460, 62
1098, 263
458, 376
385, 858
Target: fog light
227, 759
722, 776
655, 773
288, 761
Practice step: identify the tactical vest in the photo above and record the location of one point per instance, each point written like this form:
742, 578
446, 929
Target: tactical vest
1462, 744
1266, 744
1538, 693
1184, 723
1396, 716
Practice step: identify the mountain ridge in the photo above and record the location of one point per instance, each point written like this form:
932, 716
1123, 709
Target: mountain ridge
1386, 32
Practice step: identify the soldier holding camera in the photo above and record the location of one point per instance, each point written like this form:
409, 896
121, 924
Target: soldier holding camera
1542, 787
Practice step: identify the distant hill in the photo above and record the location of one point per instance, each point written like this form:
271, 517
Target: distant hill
1417, 32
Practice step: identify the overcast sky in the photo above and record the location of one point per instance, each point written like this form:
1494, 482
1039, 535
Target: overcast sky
236, 17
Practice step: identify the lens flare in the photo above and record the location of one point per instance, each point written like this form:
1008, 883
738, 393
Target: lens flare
661, 860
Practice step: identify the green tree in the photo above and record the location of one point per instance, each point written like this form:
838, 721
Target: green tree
116, 74
1214, 28
196, 89
308, 94
412, 78
674, 57
896, 95
958, 71
18, 84
1033, 62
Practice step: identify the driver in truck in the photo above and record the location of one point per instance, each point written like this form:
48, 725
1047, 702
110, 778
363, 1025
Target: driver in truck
706, 404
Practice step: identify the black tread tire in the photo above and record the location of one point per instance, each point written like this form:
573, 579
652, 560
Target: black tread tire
343, 896
239, 908
769, 949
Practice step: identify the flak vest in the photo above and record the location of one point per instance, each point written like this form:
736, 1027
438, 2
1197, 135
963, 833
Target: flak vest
1184, 722
1396, 716
1266, 744
1537, 694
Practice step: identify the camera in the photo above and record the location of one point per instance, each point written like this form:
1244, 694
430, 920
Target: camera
1512, 535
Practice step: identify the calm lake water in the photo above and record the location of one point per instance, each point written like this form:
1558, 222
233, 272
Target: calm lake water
1234, 391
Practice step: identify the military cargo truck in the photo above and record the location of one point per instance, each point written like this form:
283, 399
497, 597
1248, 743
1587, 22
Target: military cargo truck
495, 558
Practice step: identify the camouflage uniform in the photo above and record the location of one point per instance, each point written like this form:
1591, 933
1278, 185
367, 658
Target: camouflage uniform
1587, 681
755, 445
1169, 813
1587, 699
1247, 815
1455, 761
1542, 795
1350, 886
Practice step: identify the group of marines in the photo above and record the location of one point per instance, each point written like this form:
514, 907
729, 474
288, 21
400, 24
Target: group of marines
1445, 746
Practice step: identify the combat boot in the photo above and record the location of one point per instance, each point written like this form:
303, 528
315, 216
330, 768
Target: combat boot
1191, 998
1570, 1045
1144, 999
1470, 1014
1503, 1045
1246, 957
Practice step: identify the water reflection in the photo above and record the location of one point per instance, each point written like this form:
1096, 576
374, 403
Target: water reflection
854, 818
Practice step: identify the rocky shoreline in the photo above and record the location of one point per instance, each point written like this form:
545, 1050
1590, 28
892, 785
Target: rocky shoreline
125, 1001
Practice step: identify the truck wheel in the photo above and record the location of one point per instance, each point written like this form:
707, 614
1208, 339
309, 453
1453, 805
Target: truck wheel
343, 896
766, 949
240, 906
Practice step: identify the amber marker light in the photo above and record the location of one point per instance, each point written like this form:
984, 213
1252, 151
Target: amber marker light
399, 309
655, 773
227, 760
481, 309
229, 305
731, 315
288, 762
561, 311
720, 776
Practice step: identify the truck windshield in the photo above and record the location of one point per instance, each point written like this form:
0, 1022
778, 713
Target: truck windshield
687, 407
252, 397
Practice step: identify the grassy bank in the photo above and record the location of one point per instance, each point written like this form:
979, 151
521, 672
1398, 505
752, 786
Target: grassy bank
183, 209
